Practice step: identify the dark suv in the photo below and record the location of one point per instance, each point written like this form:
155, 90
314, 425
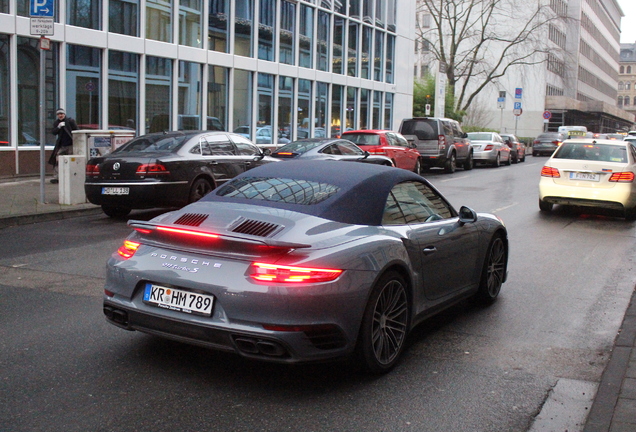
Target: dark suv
440, 141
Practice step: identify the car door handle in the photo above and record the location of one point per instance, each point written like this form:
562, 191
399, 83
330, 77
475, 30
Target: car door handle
429, 250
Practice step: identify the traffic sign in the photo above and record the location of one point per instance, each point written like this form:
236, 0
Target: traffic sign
42, 8
42, 26
547, 115
517, 112
517, 106
518, 93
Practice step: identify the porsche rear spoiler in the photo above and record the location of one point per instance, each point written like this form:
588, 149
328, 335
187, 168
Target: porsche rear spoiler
149, 228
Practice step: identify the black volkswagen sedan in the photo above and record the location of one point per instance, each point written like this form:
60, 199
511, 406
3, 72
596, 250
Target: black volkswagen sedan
168, 169
328, 149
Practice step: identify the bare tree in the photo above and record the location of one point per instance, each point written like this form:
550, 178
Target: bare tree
480, 40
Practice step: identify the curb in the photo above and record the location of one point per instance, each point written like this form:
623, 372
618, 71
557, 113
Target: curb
27, 219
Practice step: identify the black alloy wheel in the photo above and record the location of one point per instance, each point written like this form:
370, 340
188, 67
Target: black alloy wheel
384, 324
451, 164
469, 163
200, 188
493, 272
497, 162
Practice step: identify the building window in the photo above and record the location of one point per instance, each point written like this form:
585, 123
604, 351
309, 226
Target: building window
266, 29
626, 101
217, 25
351, 111
303, 123
265, 108
377, 110
4, 8
83, 85
159, 20
123, 89
391, 15
629, 69
123, 17
287, 32
364, 109
380, 13
4, 90
622, 69
379, 56
189, 107
190, 17
217, 97
336, 110
365, 69
390, 58
158, 94
621, 85
367, 11
354, 8
84, 13
285, 106
243, 27
242, 109
338, 39
352, 52
322, 44
320, 109
388, 111
628, 85
620, 101
306, 35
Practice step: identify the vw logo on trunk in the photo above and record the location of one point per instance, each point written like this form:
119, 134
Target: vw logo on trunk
116, 166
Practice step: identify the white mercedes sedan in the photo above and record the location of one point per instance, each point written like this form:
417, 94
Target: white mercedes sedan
591, 173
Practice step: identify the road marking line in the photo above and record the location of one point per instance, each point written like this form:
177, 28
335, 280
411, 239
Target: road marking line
504, 208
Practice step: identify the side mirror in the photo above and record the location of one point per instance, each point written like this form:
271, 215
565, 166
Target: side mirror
267, 152
464, 135
467, 215
366, 154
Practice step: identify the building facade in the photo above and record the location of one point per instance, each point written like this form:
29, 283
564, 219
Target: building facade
627, 79
299, 67
574, 80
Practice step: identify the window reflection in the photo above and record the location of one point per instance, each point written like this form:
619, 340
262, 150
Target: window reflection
338, 37
336, 109
285, 113
217, 98
242, 98
352, 54
123, 89
303, 124
306, 35
4, 90
218, 25
84, 13
265, 108
266, 29
158, 94
322, 42
159, 20
320, 109
190, 15
243, 25
83, 85
189, 96
287, 32
123, 17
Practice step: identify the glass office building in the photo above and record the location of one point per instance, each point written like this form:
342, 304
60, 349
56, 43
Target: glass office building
272, 69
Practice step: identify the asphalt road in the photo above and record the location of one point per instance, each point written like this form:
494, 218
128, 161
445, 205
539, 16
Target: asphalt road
62, 367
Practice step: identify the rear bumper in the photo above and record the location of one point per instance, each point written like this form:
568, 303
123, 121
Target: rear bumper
141, 195
619, 197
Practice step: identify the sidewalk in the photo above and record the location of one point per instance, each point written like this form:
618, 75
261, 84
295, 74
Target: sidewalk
614, 407
20, 202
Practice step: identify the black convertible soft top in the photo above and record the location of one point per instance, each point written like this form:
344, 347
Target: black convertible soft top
360, 200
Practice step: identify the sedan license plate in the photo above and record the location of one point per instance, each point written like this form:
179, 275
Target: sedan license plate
115, 191
178, 300
584, 176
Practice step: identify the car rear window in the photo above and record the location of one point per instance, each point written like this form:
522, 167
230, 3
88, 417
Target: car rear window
423, 129
363, 138
282, 190
159, 143
592, 152
299, 146
480, 136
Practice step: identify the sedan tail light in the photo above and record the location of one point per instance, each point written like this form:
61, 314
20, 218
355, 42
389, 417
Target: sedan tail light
547, 171
290, 274
622, 177
489, 147
152, 169
536, 142
377, 152
92, 170
558, 143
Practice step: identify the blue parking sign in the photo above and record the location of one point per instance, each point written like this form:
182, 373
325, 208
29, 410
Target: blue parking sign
42, 8
517, 105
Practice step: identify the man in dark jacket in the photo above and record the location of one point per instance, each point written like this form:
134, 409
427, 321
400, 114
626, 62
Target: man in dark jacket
63, 128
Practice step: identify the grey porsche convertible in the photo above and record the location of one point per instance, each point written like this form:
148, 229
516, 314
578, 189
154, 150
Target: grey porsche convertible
306, 261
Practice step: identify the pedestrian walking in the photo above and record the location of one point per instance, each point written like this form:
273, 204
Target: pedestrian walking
63, 128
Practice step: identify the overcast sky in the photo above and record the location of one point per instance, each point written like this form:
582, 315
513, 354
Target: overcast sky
628, 23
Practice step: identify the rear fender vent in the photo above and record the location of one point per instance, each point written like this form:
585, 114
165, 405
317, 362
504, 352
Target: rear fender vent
256, 228
191, 219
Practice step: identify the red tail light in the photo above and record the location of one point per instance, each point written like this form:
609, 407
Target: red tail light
547, 171
92, 170
291, 274
377, 152
489, 147
152, 169
557, 142
536, 142
128, 249
442, 142
186, 232
622, 177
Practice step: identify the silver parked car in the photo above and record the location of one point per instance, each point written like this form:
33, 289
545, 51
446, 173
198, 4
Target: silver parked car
306, 261
489, 148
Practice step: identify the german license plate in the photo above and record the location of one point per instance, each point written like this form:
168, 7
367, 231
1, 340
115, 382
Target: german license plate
178, 300
115, 191
584, 176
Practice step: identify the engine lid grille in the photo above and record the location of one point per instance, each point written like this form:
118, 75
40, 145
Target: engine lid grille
256, 228
191, 219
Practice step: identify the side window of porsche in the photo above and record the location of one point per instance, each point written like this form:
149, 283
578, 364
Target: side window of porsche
417, 203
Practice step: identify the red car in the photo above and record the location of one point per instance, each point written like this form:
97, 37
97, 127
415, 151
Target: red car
389, 144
